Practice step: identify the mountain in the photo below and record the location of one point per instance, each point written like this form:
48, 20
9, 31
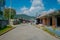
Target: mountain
24, 16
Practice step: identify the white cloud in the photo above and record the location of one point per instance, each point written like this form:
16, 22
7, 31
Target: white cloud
37, 5
47, 12
23, 8
32, 12
58, 1
51, 10
31, 0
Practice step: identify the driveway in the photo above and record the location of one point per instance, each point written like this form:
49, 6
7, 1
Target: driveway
27, 32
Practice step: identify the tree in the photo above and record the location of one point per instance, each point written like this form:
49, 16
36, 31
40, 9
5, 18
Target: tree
1, 13
8, 13
13, 13
2, 2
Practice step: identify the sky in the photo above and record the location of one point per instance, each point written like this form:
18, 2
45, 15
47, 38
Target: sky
33, 7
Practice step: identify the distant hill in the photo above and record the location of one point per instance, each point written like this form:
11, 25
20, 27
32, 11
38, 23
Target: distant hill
24, 16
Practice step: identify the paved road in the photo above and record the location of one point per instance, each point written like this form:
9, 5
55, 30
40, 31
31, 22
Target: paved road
27, 32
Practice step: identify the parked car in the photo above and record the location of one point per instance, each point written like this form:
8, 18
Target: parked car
16, 21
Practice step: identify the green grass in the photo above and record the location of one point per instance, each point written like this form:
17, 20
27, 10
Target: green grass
4, 30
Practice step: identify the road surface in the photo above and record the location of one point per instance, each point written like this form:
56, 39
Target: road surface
27, 32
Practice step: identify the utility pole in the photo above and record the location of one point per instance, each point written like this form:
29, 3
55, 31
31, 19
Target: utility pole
10, 11
36, 14
3, 7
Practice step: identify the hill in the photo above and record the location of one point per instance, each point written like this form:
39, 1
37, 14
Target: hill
24, 16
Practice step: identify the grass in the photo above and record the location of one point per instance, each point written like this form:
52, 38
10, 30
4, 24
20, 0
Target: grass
47, 30
6, 29
50, 32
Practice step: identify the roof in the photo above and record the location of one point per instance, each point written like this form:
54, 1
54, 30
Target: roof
50, 14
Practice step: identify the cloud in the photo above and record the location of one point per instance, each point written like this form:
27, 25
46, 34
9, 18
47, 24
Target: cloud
31, 0
51, 10
47, 12
37, 5
58, 1
23, 8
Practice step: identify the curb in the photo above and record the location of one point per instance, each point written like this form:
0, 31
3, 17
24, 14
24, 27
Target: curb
52, 34
49, 33
7, 31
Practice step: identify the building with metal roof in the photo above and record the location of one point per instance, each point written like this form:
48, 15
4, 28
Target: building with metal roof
51, 19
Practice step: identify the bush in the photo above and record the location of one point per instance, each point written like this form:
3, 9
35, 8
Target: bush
9, 26
3, 27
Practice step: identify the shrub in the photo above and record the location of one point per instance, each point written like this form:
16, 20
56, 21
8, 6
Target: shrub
9, 26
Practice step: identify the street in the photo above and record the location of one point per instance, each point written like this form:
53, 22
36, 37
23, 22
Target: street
27, 32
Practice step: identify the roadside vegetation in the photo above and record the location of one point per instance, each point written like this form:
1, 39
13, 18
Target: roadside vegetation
7, 15
53, 31
5, 29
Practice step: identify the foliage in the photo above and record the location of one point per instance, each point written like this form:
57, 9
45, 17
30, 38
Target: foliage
2, 3
9, 26
9, 12
1, 13
24, 16
5, 29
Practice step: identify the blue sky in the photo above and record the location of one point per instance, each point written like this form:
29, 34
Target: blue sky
31, 7
51, 4
17, 4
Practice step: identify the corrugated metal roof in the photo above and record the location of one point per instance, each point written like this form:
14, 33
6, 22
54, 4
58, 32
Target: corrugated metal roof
44, 14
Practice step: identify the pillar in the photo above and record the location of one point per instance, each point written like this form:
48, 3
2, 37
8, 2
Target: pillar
48, 21
53, 22
43, 21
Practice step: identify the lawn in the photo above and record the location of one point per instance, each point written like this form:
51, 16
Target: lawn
4, 30
55, 32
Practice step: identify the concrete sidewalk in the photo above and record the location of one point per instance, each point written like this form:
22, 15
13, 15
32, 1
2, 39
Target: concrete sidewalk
27, 32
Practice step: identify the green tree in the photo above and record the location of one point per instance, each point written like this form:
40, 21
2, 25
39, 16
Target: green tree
9, 12
1, 13
2, 3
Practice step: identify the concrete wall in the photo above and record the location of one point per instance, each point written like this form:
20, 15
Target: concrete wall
3, 23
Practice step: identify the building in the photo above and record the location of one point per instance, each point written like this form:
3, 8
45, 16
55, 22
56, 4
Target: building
3, 21
51, 19
2, 5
